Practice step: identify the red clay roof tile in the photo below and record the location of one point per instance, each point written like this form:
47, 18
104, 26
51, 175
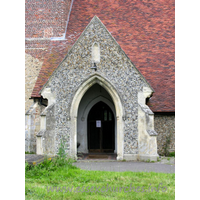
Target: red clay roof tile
145, 29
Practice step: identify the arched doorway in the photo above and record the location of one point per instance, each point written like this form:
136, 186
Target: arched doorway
101, 128
119, 112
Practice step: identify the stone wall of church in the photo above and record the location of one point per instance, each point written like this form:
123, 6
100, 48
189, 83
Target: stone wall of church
165, 127
48, 141
32, 126
32, 69
114, 66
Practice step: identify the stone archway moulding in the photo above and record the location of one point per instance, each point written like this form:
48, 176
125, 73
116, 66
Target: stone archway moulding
93, 102
96, 78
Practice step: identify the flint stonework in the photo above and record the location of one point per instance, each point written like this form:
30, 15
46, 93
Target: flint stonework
114, 66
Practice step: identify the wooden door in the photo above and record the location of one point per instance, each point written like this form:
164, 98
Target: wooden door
101, 129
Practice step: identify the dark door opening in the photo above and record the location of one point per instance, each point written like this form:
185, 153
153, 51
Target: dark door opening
101, 129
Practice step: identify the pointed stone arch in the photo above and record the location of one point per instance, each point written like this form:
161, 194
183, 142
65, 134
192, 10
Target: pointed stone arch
82, 126
96, 78
96, 100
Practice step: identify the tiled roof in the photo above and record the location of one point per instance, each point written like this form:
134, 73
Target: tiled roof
46, 18
145, 30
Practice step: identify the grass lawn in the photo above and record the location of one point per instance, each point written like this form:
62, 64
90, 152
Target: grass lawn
70, 182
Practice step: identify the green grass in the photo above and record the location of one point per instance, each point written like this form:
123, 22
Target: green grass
27, 152
172, 154
40, 178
